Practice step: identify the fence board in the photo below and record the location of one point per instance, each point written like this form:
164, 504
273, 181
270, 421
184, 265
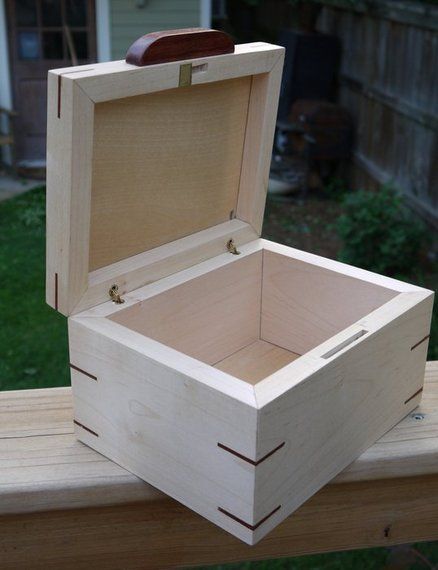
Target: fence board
389, 83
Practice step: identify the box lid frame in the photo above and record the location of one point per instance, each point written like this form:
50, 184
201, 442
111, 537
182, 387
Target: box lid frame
72, 95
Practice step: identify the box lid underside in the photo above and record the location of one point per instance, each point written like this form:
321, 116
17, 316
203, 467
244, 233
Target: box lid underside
143, 172
165, 165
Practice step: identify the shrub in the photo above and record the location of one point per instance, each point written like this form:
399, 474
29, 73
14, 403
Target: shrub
380, 234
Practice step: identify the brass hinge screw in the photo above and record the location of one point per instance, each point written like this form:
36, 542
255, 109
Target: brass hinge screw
115, 295
231, 247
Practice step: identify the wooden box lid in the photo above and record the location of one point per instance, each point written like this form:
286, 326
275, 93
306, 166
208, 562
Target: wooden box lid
152, 168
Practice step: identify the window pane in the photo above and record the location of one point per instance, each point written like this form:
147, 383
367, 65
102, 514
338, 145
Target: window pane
51, 12
76, 12
80, 42
26, 13
28, 45
52, 45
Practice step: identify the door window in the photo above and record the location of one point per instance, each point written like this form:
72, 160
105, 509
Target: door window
43, 35
53, 30
28, 45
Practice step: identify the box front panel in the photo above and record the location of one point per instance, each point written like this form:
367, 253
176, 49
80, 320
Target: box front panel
164, 427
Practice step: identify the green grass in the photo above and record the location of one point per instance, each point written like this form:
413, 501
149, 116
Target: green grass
420, 557
34, 354
33, 337
371, 559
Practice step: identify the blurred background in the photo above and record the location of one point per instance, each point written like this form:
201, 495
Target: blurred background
354, 173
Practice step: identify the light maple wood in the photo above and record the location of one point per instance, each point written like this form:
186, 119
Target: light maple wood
301, 407
150, 266
259, 137
194, 383
165, 165
118, 79
208, 317
69, 146
305, 304
386, 497
340, 408
340, 268
167, 417
43, 467
293, 304
101, 188
256, 361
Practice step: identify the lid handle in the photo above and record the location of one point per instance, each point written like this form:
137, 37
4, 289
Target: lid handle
174, 45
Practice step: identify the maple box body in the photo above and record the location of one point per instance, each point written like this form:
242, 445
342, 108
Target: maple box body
237, 375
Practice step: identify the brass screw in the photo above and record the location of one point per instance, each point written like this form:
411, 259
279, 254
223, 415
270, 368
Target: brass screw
231, 247
115, 295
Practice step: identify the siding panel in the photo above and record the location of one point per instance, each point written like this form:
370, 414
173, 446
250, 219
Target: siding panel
129, 22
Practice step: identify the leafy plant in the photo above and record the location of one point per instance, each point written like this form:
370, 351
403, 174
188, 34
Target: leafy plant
31, 209
336, 188
380, 234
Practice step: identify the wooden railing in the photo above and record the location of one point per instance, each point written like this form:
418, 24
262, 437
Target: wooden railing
62, 505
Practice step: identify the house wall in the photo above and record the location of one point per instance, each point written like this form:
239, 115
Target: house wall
389, 83
128, 21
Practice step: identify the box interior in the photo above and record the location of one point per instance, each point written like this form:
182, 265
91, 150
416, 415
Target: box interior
256, 314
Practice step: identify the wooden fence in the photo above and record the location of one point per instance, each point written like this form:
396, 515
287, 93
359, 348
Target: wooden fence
389, 82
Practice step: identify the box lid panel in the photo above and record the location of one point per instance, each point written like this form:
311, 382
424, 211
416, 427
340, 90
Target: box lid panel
165, 165
139, 163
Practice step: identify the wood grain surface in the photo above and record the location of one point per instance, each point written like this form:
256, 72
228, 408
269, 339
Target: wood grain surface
98, 515
174, 45
43, 467
165, 165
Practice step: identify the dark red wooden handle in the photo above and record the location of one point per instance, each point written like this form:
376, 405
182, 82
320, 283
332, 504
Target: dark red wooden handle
174, 45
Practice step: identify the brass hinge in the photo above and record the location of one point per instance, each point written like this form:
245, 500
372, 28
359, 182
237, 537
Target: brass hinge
231, 247
115, 295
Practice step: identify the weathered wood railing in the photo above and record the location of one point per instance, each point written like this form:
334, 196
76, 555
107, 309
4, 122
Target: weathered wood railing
62, 505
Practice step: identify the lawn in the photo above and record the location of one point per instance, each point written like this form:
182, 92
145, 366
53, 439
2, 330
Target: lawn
33, 337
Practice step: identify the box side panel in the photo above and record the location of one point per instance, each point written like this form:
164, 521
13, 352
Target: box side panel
303, 304
69, 145
164, 426
259, 138
207, 317
330, 418
59, 148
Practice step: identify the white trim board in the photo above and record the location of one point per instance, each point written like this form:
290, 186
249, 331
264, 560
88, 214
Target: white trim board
5, 74
205, 13
103, 30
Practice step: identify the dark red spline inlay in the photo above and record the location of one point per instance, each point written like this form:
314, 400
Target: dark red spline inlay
83, 371
247, 459
420, 342
413, 395
85, 428
244, 523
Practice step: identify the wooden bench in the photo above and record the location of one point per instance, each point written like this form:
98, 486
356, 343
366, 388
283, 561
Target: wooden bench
63, 505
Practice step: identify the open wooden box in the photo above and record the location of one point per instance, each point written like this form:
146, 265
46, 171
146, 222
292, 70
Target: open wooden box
238, 383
